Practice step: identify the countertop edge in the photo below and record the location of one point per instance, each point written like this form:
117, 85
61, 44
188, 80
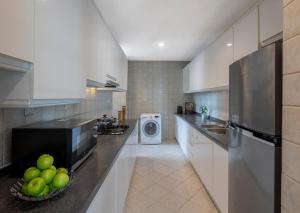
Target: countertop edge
100, 183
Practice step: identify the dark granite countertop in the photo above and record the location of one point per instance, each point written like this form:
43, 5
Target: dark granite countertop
196, 121
87, 180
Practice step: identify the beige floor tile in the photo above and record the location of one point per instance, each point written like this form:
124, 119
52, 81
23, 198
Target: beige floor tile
202, 199
168, 182
183, 173
156, 176
129, 210
142, 170
139, 202
155, 192
172, 201
163, 169
192, 184
164, 181
191, 207
186, 190
142, 183
157, 208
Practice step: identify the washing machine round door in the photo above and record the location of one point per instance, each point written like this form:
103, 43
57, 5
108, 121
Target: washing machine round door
151, 128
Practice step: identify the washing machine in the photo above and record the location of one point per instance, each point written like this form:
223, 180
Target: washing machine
150, 128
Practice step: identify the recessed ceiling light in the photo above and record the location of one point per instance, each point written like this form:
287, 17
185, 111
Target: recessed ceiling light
161, 44
229, 44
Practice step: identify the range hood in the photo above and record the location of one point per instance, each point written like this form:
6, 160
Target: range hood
14, 64
110, 84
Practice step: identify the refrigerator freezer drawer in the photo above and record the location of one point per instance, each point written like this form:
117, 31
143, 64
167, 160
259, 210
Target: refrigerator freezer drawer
254, 174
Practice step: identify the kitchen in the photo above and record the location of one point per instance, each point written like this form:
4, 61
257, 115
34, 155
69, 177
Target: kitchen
221, 83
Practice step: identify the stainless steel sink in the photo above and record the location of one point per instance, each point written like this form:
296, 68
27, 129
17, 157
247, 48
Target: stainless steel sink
219, 131
209, 126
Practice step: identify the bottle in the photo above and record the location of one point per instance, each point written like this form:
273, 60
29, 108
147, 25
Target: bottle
124, 111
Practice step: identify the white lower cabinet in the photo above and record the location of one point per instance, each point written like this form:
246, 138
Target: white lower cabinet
208, 159
183, 135
220, 177
202, 160
112, 194
104, 200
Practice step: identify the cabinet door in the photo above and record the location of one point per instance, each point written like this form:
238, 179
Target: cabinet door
96, 45
186, 79
122, 177
197, 76
60, 42
246, 35
104, 201
202, 154
177, 128
270, 18
220, 177
223, 55
17, 29
185, 137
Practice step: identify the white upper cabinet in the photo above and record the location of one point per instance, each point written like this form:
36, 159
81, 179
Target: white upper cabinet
223, 57
106, 57
60, 60
96, 45
67, 41
246, 35
186, 79
270, 18
210, 68
16, 24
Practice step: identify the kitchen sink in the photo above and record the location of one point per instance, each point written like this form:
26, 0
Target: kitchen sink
219, 131
209, 126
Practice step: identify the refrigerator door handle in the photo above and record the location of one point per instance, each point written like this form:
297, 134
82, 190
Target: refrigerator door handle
250, 135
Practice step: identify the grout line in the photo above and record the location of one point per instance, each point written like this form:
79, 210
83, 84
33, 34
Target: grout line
284, 6
292, 179
290, 106
291, 73
292, 142
291, 37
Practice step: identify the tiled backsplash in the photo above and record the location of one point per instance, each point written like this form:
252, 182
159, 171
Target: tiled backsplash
156, 87
95, 104
291, 107
119, 100
216, 102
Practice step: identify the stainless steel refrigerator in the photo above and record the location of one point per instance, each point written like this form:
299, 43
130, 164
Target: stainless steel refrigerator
255, 105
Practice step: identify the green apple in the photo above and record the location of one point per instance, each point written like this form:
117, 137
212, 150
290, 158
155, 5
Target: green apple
24, 189
53, 168
48, 175
44, 161
52, 188
62, 170
36, 186
60, 180
44, 192
31, 173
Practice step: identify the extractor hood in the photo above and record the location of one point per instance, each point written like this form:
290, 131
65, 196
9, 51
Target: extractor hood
14, 64
110, 83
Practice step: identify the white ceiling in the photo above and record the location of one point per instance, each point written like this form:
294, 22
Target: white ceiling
185, 26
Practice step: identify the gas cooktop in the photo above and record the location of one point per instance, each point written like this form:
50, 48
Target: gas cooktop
110, 126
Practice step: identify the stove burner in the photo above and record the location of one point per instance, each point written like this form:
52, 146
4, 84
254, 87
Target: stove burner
110, 126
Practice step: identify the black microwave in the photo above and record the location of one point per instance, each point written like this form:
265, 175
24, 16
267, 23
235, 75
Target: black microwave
69, 141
